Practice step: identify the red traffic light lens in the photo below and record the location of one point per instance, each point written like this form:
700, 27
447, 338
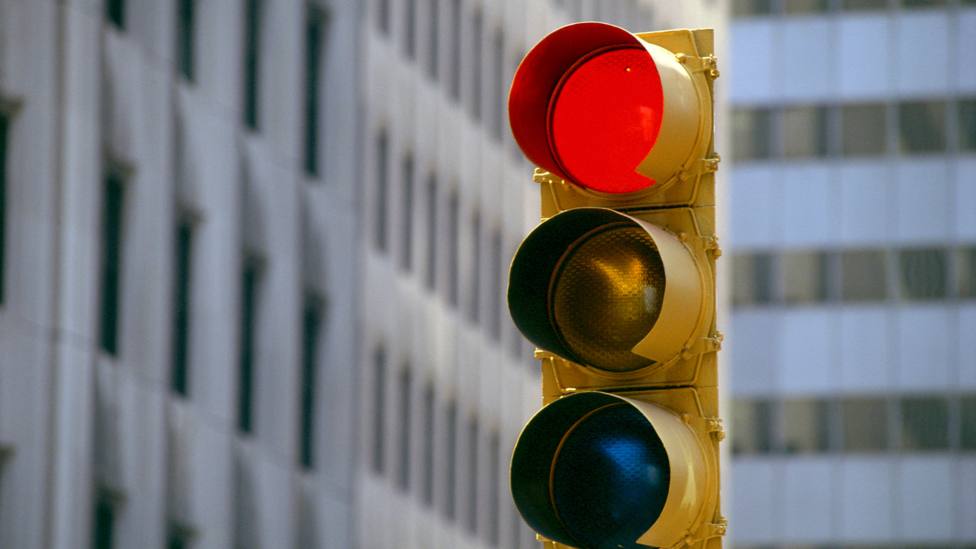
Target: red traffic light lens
605, 118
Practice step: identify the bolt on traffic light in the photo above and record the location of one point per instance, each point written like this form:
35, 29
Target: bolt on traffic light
616, 288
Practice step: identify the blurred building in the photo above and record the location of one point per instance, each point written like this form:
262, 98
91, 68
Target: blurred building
853, 194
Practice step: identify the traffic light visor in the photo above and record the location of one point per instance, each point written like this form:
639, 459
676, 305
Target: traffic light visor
591, 285
598, 470
589, 101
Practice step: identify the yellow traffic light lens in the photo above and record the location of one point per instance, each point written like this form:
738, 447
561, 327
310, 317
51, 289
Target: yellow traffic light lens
607, 295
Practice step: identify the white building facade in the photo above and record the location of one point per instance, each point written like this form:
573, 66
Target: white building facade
853, 192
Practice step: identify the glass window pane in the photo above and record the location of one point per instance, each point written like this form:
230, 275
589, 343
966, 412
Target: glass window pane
864, 4
805, 132
751, 134
864, 129
865, 424
924, 273
804, 6
921, 126
922, 3
751, 426
752, 279
966, 272
805, 424
967, 408
967, 123
804, 276
924, 423
863, 275
751, 7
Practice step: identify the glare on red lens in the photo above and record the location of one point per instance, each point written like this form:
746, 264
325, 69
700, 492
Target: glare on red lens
605, 118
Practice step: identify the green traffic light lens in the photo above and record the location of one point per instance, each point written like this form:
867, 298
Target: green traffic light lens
607, 295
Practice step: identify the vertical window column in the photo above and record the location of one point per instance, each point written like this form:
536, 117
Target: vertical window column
4, 126
184, 40
115, 13
450, 459
378, 453
312, 323
471, 522
252, 61
432, 211
474, 291
103, 523
453, 205
250, 295
111, 264
404, 424
382, 188
406, 217
182, 282
475, 50
314, 43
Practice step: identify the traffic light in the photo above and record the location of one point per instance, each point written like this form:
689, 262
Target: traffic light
616, 288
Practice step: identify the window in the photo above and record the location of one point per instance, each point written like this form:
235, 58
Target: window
115, 12
496, 272
805, 426
379, 410
184, 40
804, 132
476, 49
252, 44
498, 84
922, 126
427, 461
863, 275
405, 383
966, 271
967, 424
182, 276
410, 29
752, 279
103, 527
472, 489
742, 8
114, 192
967, 124
805, 276
382, 185
924, 423
751, 426
794, 7
752, 134
383, 16
4, 125
452, 249
474, 291
454, 84
865, 424
858, 5
433, 50
431, 235
450, 454
864, 129
312, 323
314, 42
923, 273
922, 3
406, 220
250, 294
178, 537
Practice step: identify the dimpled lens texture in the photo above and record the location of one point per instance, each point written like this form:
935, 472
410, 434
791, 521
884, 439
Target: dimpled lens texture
610, 478
607, 295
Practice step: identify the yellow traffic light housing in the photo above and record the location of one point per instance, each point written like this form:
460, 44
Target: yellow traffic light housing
616, 288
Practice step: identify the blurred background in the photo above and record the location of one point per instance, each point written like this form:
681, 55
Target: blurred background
253, 259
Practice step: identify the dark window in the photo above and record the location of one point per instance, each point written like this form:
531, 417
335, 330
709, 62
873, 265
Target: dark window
752, 427
864, 129
805, 276
742, 8
252, 57
924, 273
494, 477
498, 84
312, 323
804, 6
472, 488
314, 42
115, 11
111, 260
804, 132
967, 424
967, 124
496, 272
924, 423
178, 538
450, 454
406, 220
427, 484
4, 124
752, 279
452, 249
922, 126
103, 529
966, 272
454, 84
805, 426
250, 294
922, 3
403, 427
431, 275
476, 48
752, 134
433, 51
184, 39
863, 275
410, 29
382, 185
379, 410
474, 291
858, 5
182, 276
383, 16
865, 424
